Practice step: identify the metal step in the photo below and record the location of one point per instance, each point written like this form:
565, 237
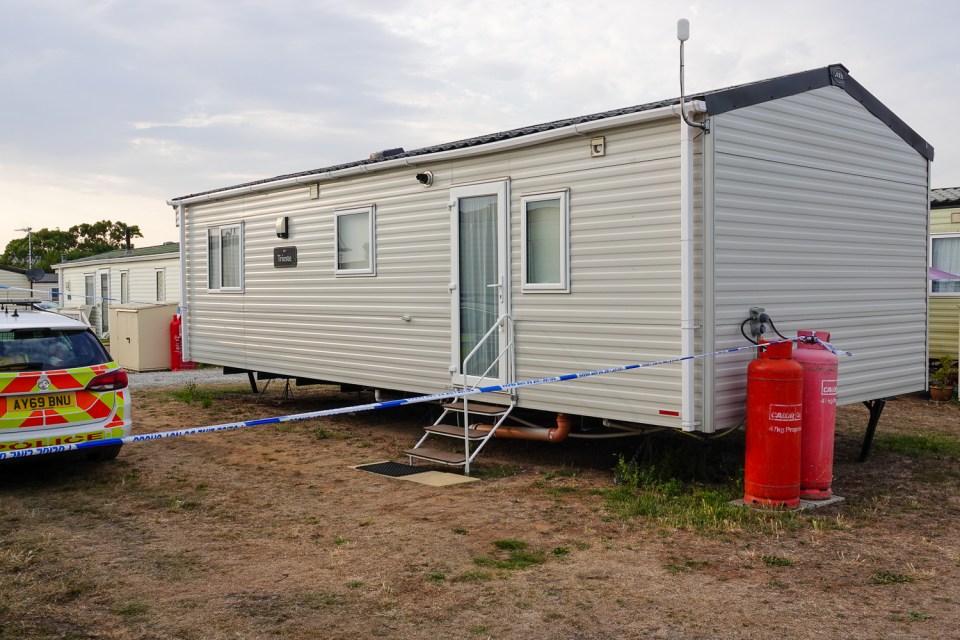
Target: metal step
436, 455
477, 407
454, 431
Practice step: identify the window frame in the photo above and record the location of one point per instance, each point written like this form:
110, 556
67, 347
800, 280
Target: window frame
89, 289
563, 286
941, 294
219, 229
124, 286
371, 270
160, 278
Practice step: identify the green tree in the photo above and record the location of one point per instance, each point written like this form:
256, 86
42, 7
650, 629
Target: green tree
51, 246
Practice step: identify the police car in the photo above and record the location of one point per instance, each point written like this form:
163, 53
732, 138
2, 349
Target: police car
58, 385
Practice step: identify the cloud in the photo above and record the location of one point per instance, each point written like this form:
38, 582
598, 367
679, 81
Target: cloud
174, 97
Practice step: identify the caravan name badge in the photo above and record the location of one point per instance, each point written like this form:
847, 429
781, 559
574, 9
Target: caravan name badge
284, 257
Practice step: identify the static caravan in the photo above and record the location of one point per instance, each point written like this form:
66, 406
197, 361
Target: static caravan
139, 275
613, 238
945, 256
14, 283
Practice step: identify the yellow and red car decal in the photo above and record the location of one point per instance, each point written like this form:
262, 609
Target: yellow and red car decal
52, 441
89, 406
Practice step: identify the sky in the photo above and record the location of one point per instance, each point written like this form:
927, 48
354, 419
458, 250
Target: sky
109, 108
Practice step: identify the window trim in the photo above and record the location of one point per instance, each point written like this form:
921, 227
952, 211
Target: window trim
371, 210
159, 272
219, 232
547, 287
90, 293
940, 294
125, 286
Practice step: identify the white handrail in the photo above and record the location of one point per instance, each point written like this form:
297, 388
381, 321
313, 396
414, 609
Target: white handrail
507, 348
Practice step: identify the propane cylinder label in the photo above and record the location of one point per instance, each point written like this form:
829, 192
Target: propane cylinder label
786, 412
828, 387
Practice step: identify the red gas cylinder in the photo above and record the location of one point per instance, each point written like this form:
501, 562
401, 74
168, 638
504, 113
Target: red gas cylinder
819, 416
176, 345
771, 475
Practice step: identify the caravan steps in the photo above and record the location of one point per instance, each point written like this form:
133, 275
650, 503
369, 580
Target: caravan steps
451, 458
494, 412
454, 431
477, 407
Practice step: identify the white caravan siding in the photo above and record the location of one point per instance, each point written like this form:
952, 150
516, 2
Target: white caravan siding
819, 214
142, 281
16, 283
623, 306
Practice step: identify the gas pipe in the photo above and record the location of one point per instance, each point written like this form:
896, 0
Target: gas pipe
774, 418
819, 415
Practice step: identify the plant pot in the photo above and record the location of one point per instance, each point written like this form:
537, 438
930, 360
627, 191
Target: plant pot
941, 394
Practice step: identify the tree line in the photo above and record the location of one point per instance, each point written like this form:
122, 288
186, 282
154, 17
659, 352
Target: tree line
51, 246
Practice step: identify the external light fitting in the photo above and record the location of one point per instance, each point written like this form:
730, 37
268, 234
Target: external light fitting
425, 178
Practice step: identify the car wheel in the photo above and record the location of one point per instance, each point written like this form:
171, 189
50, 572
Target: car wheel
102, 454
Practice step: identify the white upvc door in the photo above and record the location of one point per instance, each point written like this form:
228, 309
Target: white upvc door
103, 276
480, 284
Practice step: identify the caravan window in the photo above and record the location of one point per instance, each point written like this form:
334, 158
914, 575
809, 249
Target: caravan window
945, 252
356, 246
161, 285
546, 248
225, 258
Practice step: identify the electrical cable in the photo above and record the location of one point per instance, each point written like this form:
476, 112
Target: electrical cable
744, 333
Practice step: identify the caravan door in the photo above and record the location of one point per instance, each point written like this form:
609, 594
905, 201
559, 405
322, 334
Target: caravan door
479, 284
104, 302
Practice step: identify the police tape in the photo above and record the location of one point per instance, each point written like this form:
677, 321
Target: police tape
66, 295
231, 426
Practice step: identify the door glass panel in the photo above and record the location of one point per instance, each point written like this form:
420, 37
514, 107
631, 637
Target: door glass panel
479, 302
105, 308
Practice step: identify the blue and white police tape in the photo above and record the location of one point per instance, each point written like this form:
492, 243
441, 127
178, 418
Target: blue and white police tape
230, 426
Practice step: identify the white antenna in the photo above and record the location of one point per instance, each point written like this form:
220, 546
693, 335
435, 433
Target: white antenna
683, 34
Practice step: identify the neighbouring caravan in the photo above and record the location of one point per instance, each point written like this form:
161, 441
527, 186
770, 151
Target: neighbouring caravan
607, 239
945, 256
91, 285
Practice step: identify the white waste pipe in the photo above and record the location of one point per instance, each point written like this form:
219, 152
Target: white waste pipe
184, 312
688, 324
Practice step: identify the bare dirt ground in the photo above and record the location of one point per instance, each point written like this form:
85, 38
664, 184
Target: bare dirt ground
268, 532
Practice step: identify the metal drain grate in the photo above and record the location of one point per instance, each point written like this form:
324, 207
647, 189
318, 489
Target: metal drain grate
391, 469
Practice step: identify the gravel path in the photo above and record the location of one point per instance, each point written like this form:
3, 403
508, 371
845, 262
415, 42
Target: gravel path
182, 378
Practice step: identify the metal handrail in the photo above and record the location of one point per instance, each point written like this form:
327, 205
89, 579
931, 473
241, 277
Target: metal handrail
507, 376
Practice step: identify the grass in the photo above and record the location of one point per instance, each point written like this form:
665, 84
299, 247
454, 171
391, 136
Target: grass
192, 394
324, 434
130, 609
776, 561
917, 446
688, 484
496, 471
518, 556
889, 577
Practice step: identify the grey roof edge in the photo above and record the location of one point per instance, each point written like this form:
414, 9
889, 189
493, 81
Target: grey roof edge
835, 75
718, 101
944, 198
4, 267
141, 253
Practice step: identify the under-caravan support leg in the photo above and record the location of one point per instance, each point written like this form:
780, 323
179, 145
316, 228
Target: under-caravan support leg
876, 408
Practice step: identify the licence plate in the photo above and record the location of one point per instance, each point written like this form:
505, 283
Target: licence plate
47, 401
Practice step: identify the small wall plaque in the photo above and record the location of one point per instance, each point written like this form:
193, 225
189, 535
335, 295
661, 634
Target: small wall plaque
284, 257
